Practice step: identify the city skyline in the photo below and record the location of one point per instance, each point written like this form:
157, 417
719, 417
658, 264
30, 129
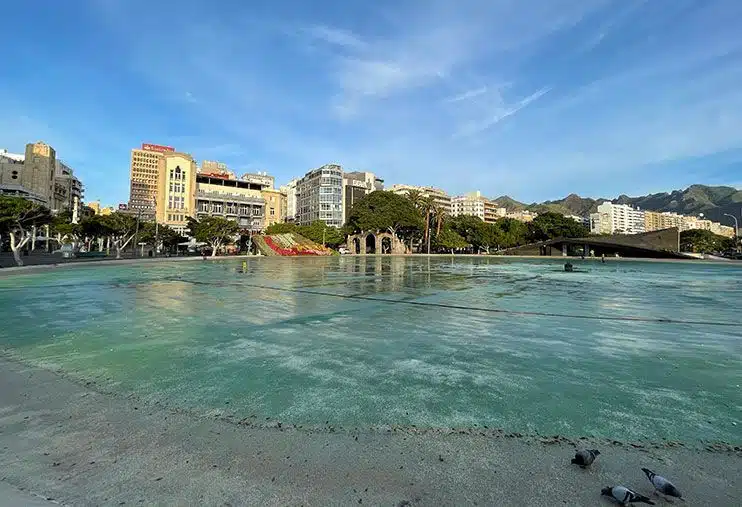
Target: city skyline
535, 100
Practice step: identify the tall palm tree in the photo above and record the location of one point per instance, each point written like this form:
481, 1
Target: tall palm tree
440, 215
428, 205
417, 198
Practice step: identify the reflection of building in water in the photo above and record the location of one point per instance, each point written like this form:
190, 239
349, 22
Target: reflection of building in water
374, 274
172, 296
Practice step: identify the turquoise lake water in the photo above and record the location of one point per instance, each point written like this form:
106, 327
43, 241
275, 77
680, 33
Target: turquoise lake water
549, 356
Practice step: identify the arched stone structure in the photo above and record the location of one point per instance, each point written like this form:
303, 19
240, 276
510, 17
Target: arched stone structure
378, 242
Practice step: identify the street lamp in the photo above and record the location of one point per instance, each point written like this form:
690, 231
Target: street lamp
736, 224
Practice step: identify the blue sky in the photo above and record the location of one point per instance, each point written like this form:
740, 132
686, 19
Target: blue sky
531, 98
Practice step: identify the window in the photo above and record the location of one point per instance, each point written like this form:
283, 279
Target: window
273, 211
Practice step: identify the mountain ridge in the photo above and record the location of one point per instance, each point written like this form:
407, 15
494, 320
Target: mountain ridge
712, 201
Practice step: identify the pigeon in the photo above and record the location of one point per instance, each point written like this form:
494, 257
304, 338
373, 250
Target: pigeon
585, 457
624, 495
661, 484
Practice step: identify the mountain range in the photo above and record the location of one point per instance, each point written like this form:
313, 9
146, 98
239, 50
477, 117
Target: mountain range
712, 201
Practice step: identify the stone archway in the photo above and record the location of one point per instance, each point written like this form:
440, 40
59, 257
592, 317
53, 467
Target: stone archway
370, 244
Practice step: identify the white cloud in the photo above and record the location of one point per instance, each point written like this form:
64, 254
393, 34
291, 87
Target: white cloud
467, 95
336, 36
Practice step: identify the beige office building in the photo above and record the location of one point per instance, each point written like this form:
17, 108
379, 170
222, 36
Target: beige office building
176, 190
145, 178
275, 206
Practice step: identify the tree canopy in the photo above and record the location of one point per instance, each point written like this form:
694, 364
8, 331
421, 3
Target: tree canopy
385, 211
448, 239
552, 225
215, 231
702, 241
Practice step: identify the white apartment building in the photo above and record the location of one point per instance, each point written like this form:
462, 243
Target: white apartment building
440, 198
290, 190
468, 204
617, 219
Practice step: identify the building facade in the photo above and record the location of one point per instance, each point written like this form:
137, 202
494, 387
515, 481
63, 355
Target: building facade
472, 204
230, 198
68, 190
617, 219
12, 175
357, 185
176, 191
289, 190
40, 177
145, 178
275, 206
319, 196
440, 198
261, 178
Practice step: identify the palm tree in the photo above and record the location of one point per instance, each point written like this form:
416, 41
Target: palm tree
428, 205
417, 198
440, 215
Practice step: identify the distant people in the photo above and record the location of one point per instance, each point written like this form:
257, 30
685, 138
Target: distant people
602, 258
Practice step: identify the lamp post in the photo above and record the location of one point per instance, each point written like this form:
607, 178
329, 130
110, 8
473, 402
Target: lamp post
736, 224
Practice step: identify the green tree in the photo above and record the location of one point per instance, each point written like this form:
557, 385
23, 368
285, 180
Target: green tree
385, 211
62, 226
511, 232
448, 239
475, 231
95, 227
321, 233
281, 228
120, 226
165, 237
552, 225
215, 231
701, 241
18, 217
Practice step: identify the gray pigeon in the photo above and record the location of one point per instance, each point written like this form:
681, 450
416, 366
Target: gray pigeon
624, 495
661, 484
585, 457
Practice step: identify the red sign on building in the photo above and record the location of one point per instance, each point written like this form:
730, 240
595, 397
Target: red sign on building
157, 147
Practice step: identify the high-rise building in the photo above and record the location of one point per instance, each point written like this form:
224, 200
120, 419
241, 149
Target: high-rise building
145, 178
440, 198
617, 219
320, 196
289, 190
275, 206
176, 190
356, 185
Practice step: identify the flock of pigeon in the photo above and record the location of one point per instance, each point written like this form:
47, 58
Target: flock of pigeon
623, 495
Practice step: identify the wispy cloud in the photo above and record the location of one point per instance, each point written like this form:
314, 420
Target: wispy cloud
498, 113
336, 36
597, 90
469, 94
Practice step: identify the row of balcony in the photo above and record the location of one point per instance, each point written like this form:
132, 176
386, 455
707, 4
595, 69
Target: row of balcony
224, 197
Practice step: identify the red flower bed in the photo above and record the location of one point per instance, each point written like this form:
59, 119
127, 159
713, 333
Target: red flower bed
293, 251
